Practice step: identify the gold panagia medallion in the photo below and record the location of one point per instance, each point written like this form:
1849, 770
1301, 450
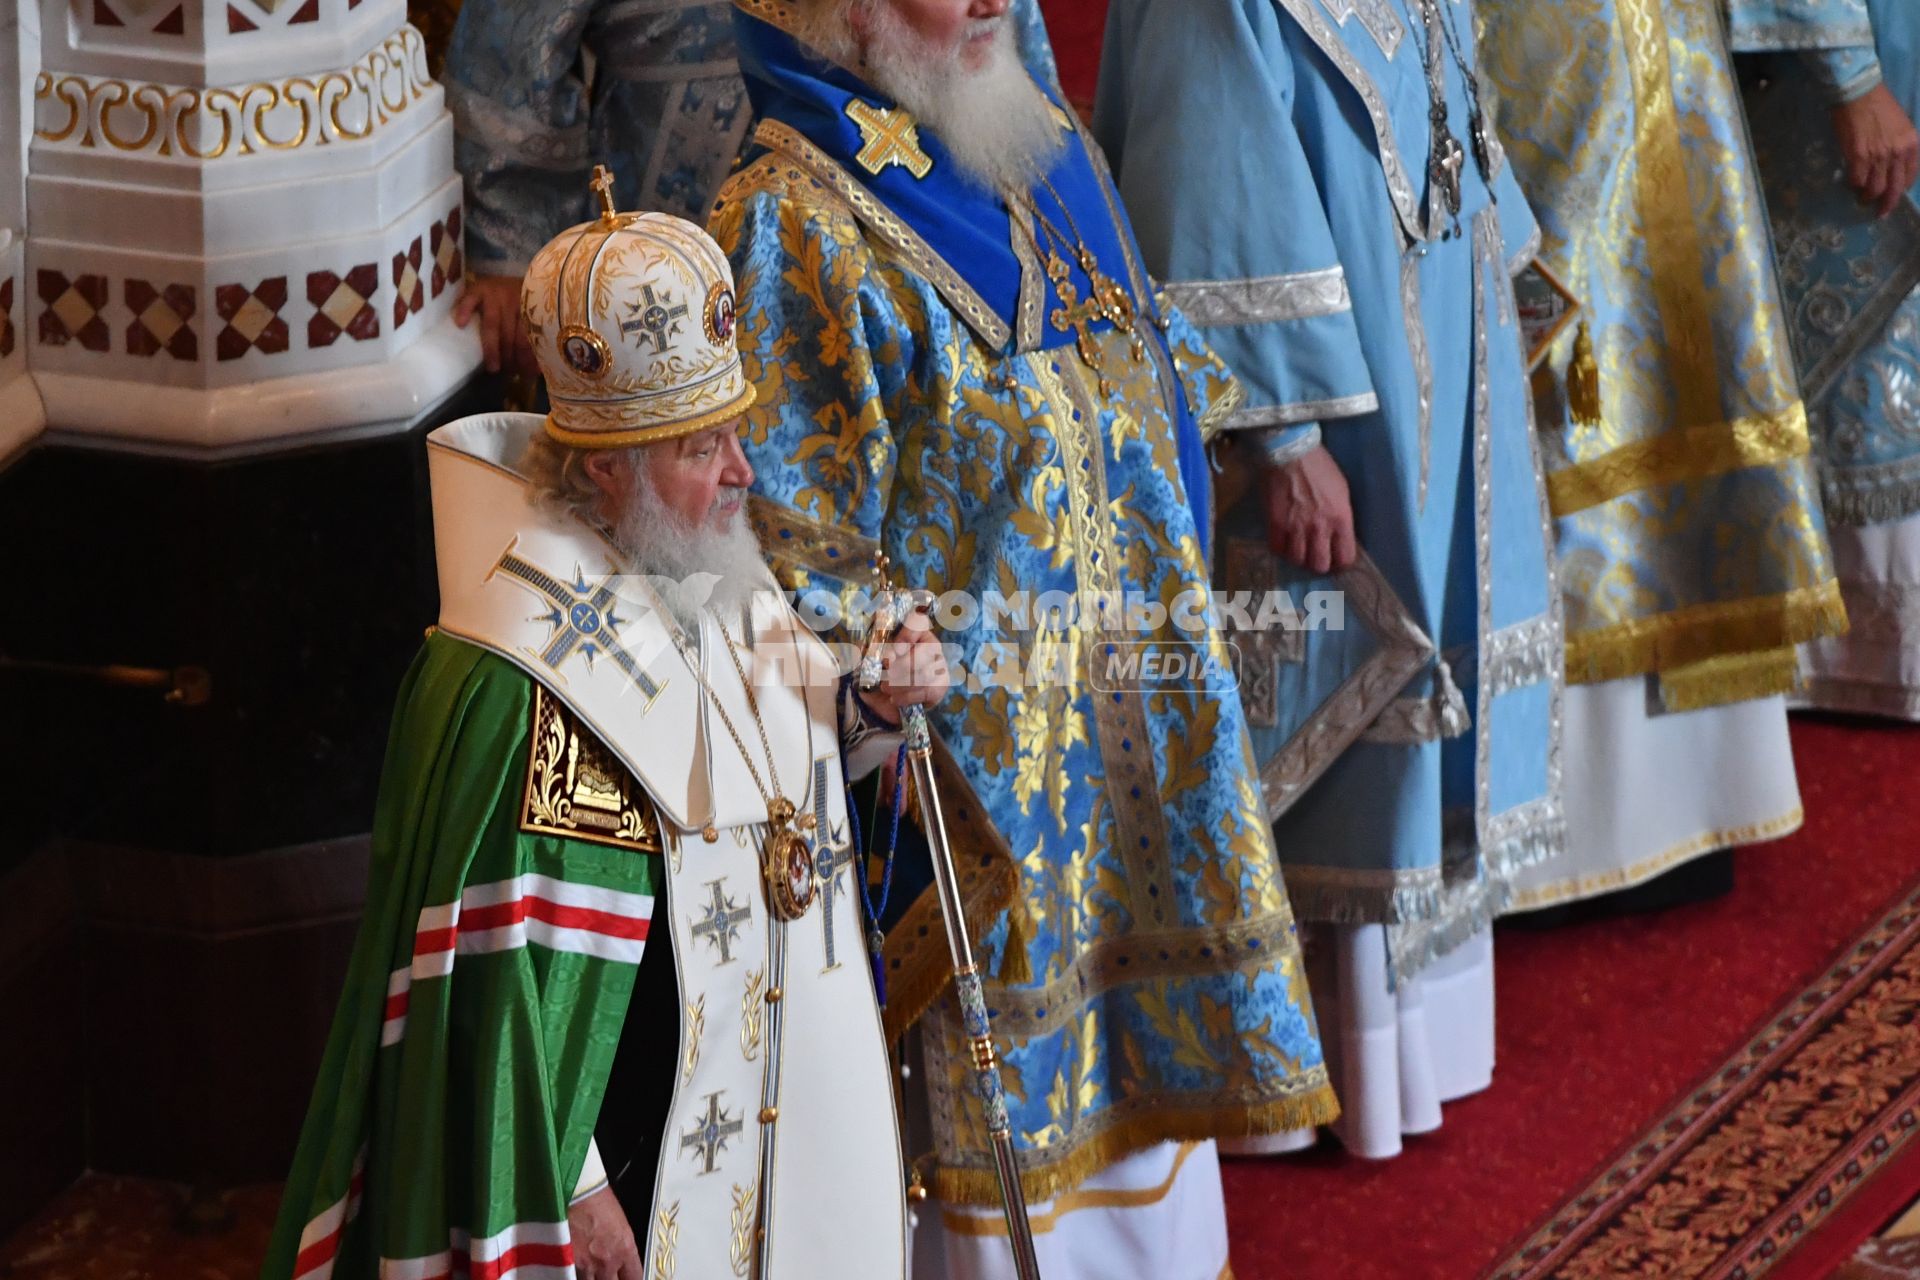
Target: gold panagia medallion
786, 863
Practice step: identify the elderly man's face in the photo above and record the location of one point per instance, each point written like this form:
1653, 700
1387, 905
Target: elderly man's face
944, 24
701, 479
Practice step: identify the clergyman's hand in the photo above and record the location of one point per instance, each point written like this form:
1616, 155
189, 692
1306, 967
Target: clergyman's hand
1880, 146
916, 670
603, 1246
503, 333
1309, 514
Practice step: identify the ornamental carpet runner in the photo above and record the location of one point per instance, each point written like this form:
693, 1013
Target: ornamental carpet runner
1750, 1175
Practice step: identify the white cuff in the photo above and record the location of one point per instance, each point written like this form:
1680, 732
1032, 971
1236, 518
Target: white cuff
1289, 444
593, 1175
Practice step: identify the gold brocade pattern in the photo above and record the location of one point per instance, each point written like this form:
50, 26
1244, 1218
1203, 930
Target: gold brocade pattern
1695, 634
1691, 454
1688, 524
577, 788
1140, 958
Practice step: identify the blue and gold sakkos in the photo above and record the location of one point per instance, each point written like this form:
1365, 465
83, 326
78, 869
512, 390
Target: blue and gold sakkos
1691, 542
919, 397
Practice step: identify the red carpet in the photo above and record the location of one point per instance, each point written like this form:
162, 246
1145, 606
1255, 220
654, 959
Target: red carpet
1795, 1151
1601, 1028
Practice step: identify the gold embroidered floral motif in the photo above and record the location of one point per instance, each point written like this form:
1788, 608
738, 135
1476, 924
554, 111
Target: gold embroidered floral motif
696, 1028
740, 1248
666, 1242
578, 789
750, 1015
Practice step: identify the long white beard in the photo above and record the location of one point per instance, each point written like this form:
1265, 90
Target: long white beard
995, 121
715, 568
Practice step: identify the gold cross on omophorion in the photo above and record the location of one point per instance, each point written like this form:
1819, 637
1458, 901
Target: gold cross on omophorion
1079, 317
602, 185
890, 137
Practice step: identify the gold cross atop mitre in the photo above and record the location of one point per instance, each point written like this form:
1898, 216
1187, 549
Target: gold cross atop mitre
602, 185
890, 137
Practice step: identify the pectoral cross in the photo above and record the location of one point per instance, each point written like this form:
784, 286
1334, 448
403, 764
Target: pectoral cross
709, 1135
1449, 158
889, 137
720, 920
832, 855
1079, 316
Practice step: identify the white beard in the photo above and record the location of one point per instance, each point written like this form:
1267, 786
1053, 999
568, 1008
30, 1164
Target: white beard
998, 126
692, 568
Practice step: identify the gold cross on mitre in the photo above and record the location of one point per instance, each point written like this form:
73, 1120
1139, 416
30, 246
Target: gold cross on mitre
602, 185
890, 137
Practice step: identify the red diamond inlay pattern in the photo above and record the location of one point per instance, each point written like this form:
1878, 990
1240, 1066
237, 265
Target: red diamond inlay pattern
73, 311
409, 290
449, 260
6, 317
161, 320
253, 318
343, 304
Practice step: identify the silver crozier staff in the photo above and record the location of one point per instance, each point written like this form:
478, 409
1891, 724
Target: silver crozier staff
892, 606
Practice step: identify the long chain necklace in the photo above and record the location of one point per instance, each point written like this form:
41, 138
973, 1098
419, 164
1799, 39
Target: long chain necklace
1479, 135
1446, 157
1109, 301
786, 861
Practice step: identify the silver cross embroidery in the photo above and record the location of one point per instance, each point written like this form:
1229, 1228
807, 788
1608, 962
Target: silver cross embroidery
720, 920
832, 855
708, 1137
582, 615
655, 316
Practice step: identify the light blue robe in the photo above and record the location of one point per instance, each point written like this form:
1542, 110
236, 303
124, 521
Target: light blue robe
1274, 160
541, 92
1851, 281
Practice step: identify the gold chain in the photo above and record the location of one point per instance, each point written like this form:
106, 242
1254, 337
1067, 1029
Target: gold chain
753, 705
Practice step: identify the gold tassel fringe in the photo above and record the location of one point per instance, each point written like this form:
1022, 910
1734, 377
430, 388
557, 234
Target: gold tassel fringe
1736, 677
1700, 633
1583, 380
980, 1186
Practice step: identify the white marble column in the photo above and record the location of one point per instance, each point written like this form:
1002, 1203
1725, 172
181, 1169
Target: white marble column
247, 224
21, 415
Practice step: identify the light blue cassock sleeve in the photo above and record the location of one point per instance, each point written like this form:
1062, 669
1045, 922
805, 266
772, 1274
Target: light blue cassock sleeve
1833, 37
1757, 26
516, 87
1195, 112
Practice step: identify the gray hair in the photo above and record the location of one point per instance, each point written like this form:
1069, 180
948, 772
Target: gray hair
560, 483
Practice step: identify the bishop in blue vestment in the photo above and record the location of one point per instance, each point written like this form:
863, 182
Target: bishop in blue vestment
978, 381
1315, 182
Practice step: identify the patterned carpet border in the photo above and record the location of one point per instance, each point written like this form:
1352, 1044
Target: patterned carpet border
1770, 1146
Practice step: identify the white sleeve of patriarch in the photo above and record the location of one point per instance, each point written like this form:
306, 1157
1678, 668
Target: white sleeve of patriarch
593, 1175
